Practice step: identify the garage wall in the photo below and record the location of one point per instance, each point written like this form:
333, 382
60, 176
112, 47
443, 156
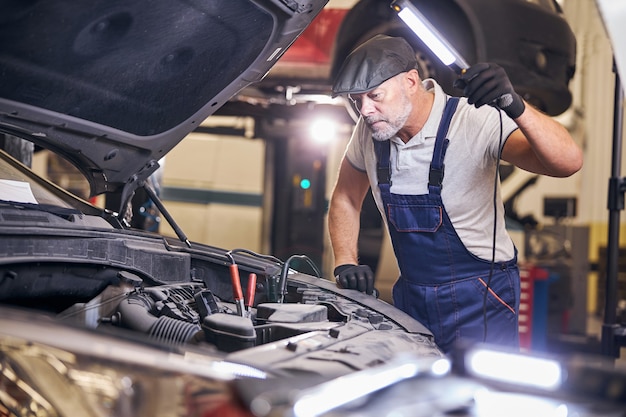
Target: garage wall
594, 90
594, 87
213, 186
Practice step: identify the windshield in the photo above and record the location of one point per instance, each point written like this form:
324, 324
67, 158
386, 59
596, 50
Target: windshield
21, 185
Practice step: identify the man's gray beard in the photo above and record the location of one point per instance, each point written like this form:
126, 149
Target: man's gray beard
393, 126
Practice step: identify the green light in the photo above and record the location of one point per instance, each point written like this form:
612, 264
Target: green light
305, 183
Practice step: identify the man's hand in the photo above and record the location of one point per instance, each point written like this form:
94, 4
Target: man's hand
487, 83
355, 277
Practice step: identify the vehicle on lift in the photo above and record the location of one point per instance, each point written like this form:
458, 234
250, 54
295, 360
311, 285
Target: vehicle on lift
531, 40
97, 318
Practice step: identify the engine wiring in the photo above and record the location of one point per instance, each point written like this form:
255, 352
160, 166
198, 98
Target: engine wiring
285, 271
286, 265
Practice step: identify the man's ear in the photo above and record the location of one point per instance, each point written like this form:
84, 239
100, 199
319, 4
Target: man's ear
412, 79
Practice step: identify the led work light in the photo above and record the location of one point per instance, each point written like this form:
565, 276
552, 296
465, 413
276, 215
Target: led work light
418, 23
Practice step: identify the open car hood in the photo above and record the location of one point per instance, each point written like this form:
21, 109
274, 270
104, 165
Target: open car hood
123, 83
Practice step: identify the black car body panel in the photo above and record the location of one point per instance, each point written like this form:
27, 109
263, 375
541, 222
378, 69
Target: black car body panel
116, 85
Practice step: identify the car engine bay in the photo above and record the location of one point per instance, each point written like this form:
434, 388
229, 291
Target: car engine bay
176, 296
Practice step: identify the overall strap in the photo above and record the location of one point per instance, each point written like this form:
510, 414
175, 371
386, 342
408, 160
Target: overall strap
437, 167
435, 177
383, 168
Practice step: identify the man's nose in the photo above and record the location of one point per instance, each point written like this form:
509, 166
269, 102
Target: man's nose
367, 106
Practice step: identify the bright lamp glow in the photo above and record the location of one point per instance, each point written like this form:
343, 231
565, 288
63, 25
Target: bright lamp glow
418, 23
515, 369
323, 130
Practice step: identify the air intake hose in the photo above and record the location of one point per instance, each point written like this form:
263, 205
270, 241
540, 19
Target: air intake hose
135, 314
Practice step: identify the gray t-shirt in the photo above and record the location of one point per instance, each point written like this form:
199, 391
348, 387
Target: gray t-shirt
470, 169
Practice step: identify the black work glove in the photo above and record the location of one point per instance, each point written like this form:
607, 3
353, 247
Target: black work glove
487, 83
355, 277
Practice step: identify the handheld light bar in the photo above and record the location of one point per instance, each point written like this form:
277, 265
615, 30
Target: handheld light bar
515, 368
418, 23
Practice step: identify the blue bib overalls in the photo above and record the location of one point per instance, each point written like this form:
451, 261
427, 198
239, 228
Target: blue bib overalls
441, 283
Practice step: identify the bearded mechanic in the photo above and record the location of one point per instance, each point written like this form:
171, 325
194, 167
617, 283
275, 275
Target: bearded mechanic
458, 265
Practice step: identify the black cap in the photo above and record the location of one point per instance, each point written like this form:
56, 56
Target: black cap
372, 63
